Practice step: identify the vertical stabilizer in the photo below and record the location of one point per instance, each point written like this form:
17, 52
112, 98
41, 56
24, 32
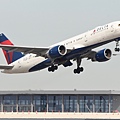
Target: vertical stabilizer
10, 56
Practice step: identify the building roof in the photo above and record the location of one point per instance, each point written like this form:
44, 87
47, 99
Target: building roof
105, 92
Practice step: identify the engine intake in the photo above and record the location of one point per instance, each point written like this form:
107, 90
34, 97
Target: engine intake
57, 51
103, 55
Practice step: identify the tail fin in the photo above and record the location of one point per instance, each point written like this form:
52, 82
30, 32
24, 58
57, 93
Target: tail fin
10, 56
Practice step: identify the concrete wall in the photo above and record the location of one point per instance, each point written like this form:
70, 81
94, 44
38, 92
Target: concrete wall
60, 115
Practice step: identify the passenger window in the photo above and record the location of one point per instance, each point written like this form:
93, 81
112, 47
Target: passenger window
118, 24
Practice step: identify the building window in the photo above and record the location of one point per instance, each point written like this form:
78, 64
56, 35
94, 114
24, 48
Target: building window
70, 103
24, 100
9, 100
55, 103
0, 99
86, 103
111, 103
40, 103
24, 108
9, 108
101, 103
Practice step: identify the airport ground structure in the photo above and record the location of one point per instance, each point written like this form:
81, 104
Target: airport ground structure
91, 104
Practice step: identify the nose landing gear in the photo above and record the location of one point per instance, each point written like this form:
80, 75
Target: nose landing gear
117, 44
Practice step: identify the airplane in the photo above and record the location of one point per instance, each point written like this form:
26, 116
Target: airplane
24, 59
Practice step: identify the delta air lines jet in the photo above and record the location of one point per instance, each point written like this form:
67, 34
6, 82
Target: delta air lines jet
23, 59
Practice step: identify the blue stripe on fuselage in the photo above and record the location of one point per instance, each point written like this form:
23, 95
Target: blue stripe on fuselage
41, 65
73, 54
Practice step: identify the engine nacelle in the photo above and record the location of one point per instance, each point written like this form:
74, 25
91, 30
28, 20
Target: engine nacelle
103, 55
57, 51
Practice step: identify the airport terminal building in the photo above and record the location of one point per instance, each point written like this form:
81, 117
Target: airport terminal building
78, 101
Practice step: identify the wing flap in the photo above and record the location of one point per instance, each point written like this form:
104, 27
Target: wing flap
6, 67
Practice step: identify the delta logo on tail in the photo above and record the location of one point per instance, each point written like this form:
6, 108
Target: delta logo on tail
10, 56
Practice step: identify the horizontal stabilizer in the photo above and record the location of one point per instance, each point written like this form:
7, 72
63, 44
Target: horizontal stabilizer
6, 67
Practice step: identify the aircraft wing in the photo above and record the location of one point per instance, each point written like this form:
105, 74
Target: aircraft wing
25, 49
6, 67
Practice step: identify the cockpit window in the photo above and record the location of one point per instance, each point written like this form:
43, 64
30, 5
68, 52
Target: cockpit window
118, 24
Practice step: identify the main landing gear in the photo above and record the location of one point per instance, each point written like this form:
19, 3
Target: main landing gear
52, 68
117, 44
79, 69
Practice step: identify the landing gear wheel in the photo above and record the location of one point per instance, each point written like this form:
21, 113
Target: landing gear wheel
117, 44
75, 71
49, 69
55, 67
78, 70
117, 49
81, 69
52, 68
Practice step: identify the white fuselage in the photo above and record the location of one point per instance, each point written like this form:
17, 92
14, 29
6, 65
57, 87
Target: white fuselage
98, 35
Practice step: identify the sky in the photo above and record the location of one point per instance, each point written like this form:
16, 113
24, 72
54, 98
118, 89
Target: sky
46, 22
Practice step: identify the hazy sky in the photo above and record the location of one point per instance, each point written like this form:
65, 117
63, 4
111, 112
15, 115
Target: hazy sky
45, 22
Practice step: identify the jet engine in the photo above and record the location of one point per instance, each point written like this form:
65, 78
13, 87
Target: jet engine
57, 51
103, 55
